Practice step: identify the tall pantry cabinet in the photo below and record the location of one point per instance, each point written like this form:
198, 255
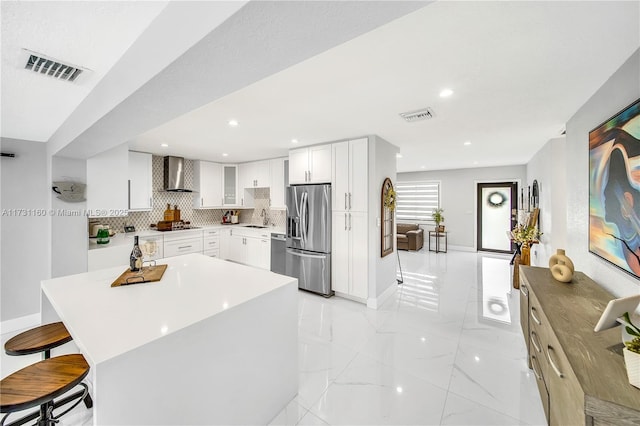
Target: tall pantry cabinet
350, 239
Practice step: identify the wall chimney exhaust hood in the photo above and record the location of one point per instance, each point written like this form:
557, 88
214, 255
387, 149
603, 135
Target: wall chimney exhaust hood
174, 174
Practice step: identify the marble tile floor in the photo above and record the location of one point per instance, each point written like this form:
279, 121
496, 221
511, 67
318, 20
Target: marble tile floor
445, 349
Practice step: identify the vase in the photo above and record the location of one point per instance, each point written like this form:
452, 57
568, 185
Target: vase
526, 254
632, 362
561, 255
561, 266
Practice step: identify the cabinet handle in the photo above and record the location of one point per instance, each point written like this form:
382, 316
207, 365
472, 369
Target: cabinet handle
553, 364
183, 247
523, 290
345, 200
201, 201
129, 194
349, 221
349, 201
534, 362
534, 338
150, 201
534, 316
345, 221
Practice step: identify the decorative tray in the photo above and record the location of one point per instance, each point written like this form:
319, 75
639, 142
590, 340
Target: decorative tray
146, 275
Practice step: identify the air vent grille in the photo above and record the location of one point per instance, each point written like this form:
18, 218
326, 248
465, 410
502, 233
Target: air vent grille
52, 67
422, 114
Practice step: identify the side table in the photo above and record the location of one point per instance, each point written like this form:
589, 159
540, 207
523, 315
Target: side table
438, 237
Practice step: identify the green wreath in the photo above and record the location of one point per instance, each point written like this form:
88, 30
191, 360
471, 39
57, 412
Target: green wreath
390, 199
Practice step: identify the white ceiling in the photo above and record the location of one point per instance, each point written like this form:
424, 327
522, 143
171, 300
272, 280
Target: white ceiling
519, 70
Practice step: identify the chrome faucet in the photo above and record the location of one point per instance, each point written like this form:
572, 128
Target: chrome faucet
265, 217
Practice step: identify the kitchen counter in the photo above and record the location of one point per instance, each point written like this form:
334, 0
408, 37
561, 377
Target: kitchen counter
204, 340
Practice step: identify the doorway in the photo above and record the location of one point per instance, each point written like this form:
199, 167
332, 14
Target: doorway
497, 215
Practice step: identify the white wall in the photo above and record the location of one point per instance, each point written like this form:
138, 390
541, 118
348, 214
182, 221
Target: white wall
458, 194
622, 88
548, 168
69, 237
24, 238
382, 165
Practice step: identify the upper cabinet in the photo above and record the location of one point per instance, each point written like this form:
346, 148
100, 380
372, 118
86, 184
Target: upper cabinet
207, 182
254, 175
140, 181
310, 165
107, 186
277, 183
230, 185
350, 177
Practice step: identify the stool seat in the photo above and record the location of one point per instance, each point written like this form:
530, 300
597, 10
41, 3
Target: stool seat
39, 339
41, 382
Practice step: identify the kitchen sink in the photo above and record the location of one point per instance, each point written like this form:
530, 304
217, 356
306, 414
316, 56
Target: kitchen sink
255, 226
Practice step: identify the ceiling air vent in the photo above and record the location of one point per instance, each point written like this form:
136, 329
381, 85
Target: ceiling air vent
422, 114
42, 64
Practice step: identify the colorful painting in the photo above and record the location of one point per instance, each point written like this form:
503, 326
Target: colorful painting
614, 190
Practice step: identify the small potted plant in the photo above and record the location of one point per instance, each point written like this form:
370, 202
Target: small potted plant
438, 218
631, 350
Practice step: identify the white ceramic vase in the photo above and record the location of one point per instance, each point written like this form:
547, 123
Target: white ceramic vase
632, 362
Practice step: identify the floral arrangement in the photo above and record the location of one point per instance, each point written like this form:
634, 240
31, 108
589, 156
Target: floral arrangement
525, 234
390, 199
634, 344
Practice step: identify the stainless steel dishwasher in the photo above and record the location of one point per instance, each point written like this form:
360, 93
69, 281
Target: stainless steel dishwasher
278, 253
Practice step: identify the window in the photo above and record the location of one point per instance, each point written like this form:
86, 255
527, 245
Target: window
417, 200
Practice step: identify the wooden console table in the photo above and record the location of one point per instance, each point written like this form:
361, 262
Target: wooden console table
580, 374
438, 237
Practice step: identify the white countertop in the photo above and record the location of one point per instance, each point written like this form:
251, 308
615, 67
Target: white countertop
106, 322
127, 239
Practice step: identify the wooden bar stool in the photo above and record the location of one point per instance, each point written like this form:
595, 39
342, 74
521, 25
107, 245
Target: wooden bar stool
39, 339
39, 384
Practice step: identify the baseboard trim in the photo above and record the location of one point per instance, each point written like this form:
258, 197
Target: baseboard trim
20, 323
376, 302
462, 248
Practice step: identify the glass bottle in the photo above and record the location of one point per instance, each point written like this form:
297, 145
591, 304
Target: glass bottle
135, 260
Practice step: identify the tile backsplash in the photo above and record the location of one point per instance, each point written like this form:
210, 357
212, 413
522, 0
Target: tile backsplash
184, 201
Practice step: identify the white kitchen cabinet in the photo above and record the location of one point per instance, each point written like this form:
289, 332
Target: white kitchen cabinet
108, 257
207, 183
183, 242
249, 246
230, 185
350, 177
349, 269
310, 165
107, 183
140, 181
225, 242
277, 196
211, 242
255, 174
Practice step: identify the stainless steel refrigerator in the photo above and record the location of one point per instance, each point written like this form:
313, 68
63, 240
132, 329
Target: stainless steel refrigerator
309, 237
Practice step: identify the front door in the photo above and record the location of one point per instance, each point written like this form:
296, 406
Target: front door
497, 215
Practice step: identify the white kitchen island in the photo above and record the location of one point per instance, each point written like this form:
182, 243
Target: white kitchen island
213, 342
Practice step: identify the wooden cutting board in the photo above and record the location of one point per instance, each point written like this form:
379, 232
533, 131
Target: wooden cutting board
146, 275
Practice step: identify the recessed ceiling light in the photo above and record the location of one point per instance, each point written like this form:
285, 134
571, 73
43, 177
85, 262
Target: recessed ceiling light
224, 154
294, 140
164, 145
233, 123
475, 162
445, 93
467, 143
398, 155
423, 167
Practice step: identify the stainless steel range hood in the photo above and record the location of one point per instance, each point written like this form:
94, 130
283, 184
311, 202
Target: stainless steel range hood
174, 174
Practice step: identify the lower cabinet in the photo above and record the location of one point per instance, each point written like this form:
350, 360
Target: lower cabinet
247, 247
184, 242
211, 243
349, 254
